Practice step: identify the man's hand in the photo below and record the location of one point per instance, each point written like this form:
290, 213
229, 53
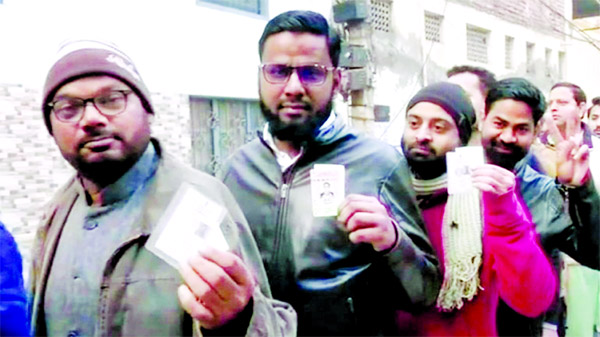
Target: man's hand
573, 164
218, 286
572, 156
368, 221
493, 179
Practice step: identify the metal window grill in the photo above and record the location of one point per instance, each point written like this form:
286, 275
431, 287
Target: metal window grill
380, 15
529, 58
433, 27
252, 6
477, 44
561, 65
548, 62
509, 43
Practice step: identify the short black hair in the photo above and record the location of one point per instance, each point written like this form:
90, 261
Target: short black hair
595, 101
303, 22
518, 89
486, 77
578, 93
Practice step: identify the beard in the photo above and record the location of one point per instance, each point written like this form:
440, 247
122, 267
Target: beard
505, 160
425, 167
108, 168
297, 132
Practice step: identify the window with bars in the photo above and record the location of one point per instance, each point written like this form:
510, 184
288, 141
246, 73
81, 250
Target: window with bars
380, 15
548, 62
530, 66
219, 127
258, 7
477, 44
509, 43
433, 27
561, 65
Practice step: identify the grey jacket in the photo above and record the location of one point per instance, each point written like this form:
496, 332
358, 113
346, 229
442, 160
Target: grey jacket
337, 287
138, 294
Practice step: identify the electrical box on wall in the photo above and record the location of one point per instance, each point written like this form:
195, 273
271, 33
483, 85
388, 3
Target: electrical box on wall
357, 79
352, 56
351, 10
381, 113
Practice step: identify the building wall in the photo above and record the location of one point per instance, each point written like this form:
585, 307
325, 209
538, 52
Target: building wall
32, 169
183, 49
179, 47
419, 61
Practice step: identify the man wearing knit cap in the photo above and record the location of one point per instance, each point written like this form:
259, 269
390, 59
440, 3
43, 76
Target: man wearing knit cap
94, 270
483, 236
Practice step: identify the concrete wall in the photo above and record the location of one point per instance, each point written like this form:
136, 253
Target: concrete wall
179, 47
406, 60
184, 49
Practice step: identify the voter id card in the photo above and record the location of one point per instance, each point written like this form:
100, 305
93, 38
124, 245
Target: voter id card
191, 221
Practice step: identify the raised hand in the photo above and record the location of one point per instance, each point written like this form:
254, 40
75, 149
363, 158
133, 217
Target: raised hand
368, 221
493, 179
218, 286
572, 156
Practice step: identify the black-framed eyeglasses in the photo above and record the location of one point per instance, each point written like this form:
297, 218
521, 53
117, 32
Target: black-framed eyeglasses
70, 110
311, 74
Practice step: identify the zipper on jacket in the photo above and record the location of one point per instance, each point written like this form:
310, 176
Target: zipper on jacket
284, 189
281, 226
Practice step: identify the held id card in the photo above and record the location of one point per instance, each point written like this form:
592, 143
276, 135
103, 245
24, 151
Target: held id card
459, 164
191, 221
327, 185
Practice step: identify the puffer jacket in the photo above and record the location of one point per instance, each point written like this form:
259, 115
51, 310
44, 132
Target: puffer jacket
336, 287
138, 294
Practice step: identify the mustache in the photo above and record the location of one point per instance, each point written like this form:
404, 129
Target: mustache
419, 146
501, 145
98, 136
303, 105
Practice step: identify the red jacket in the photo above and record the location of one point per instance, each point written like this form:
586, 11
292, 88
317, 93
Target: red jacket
514, 268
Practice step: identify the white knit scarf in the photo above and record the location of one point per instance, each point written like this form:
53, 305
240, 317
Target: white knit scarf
461, 237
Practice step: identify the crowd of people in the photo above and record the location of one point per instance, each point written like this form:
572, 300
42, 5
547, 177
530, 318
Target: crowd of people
407, 251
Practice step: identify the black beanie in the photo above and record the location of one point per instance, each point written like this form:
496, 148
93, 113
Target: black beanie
454, 100
82, 58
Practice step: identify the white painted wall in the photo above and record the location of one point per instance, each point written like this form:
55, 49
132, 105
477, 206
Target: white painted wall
178, 46
396, 85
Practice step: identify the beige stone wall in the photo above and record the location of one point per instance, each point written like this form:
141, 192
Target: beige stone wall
31, 167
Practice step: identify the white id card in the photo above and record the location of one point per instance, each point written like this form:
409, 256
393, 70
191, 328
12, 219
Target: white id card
459, 164
327, 185
190, 222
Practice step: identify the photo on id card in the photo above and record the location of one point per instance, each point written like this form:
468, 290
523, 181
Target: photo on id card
459, 164
327, 184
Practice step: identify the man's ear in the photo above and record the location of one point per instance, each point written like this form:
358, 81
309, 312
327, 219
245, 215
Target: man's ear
582, 110
337, 80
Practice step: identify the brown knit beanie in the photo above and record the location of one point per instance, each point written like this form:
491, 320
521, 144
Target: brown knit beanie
82, 58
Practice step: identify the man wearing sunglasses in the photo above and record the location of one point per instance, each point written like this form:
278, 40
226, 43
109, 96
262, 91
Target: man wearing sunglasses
93, 273
344, 269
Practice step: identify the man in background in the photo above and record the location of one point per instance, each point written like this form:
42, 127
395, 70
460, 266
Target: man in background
476, 81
